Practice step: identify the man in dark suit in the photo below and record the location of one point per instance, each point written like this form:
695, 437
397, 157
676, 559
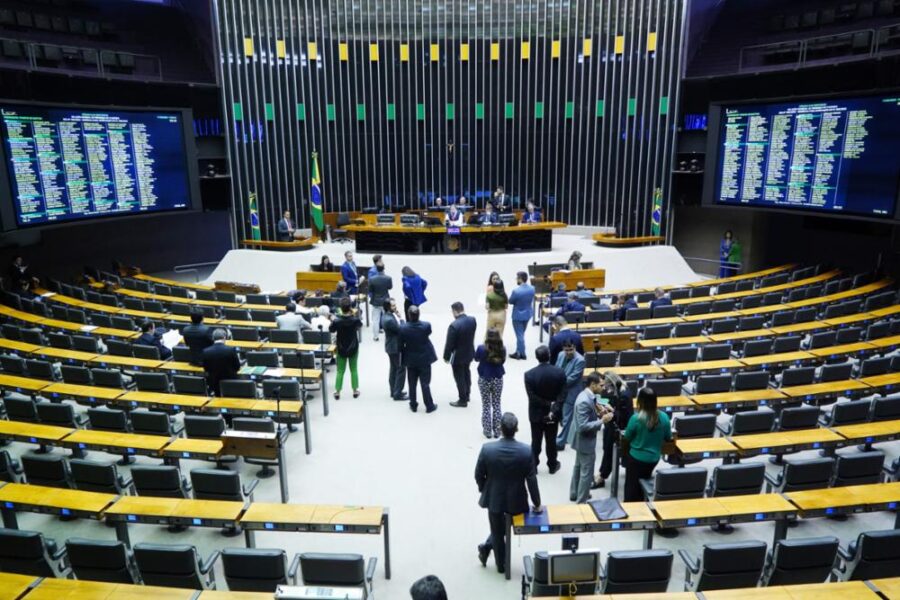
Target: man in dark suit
417, 355
391, 321
459, 350
286, 227
380, 286
149, 337
503, 470
197, 337
624, 302
220, 362
544, 385
559, 336
661, 298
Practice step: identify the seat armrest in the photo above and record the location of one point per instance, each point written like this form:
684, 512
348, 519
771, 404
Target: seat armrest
248, 489
59, 553
845, 553
177, 428
725, 429
206, 565
370, 570
81, 420
773, 482
125, 482
292, 570
16, 467
648, 487
529, 568
692, 564
186, 484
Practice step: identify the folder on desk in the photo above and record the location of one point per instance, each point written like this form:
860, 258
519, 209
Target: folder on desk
608, 509
533, 519
252, 370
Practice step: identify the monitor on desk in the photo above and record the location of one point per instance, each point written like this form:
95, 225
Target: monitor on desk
385, 219
409, 219
508, 219
573, 567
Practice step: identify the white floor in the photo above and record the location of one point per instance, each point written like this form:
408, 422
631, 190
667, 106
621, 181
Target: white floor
372, 450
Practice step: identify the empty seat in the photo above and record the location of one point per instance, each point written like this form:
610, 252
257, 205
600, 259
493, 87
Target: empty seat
237, 388
10, 470
849, 335
749, 302
340, 570
594, 316
687, 329
752, 421
701, 291
802, 474
665, 312
798, 376
29, 553
751, 380
592, 360
262, 358
798, 561
636, 572
629, 358
837, 372
118, 348
781, 319
875, 366
75, 375
97, 476
61, 415
757, 348
805, 315
847, 413
151, 382
722, 306
858, 468
822, 339
752, 323
723, 326
164, 481
715, 352
287, 389
40, 369
60, 340
798, 417
873, 555
108, 419
101, 560
220, 484
790, 343
108, 378
258, 569
245, 334
737, 479
190, 384
695, 426
698, 308
712, 384
175, 566
50, 470
284, 336
636, 314
150, 422
724, 566
146, 352
665, 387
682, 354
20, 409
657, 332
676, 484
203, 427
85, 343
887, 408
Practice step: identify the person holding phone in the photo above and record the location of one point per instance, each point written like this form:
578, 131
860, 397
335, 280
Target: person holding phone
646, 432
591, 412
619, 396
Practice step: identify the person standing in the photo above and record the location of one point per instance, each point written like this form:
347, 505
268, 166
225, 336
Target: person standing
522, 300
497, 302
380, 286
725, 253
646, 432
560, 335
345, 326
574, 262
619, 396
413, 290
286, 227
490, 356
391, 322
220, 362
197, 337
417, 356
503, 471
350, 275
589, 417
544, 385
373, 270
459, 351
572, 363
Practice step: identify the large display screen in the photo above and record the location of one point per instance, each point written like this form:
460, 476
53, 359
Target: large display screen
66, 164
840, 156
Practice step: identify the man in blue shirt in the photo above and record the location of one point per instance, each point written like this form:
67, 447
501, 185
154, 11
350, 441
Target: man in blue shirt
348, 272
522, 301
573, 305
572, 363
530, 215
581, 292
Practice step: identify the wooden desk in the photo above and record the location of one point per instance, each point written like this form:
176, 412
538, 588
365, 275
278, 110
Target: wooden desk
574, 518
728, 314
22, 384
672, 404
885, 382
591, 278
842, 590
32, 433
702, 448
15, 346
318, 518
870, 433
14, 586
800, 327
890, 587
57, 501
887, 311
638, 371
173, 282
605, 239
318, 280
65, 356
229, 595
170, 511
747, 398
74, 589
679, 341
162, 401
92, 393
731, 509
828, 389
786, 442
189, 448
857, 348
854, 319
128, 362
701, 367
886, 344
751, 334
116, 443
780, 359
841, 500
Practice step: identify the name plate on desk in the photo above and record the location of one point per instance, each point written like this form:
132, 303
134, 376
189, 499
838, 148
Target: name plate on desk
624, 340
305, 592
253, 444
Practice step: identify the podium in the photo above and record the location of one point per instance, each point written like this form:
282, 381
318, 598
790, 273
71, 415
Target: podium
592, 278
313, 280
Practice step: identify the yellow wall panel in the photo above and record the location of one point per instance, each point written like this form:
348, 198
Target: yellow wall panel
344, 51
404, 52
555, 49
495, 51
587, 47
248, 46
620, 44
312, 51
280, 49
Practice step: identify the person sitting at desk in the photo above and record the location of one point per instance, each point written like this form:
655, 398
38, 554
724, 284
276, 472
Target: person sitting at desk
286, 227
438, 204
582, 292
560, 291
23, 289
573, 305
325, 265
220, 362
488, 217
622, 304
661, 299
322, 320
290, 320
574, 262
462, 204
454, 217
150, 336
531, 215
197, 337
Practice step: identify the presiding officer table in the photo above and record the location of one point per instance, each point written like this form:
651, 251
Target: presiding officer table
415, 238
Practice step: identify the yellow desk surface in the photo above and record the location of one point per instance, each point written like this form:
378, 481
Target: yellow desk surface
177, 299
62, 354
176, 507
818, 389
114, 439
7, 344
13, 586
83, 391
890, 587
843, 590
36, 430
163, 398
760, 503
672, 402
741, 335
774, 359
636, 370
314, 514
712, 316
851, 319
24, 383
767, 394
842, 349
887, 311
174, 365
244, 344
237, 323
780, 439
851, 495
706, 365
194, 446
129, 361
800, 327
701, 445
874, 380
173, 282
886, 342
863, 430
39, 495
679, 341
74, 589
583, 514
698, 508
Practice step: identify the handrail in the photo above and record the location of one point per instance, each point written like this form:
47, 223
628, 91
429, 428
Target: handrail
801, 45
736, 266
194, 268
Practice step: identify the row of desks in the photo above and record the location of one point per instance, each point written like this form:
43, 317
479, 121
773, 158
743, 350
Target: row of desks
251, 517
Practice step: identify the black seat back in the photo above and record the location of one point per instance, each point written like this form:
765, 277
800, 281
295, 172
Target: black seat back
100, 560
152, 382
95, 476
20, 409
788, 343
731, 565
695, 426
836, 372
190, 384
798, 417
753, 421
751, 380
715, 352
682, 354
217, 484
168, 565
679, 483
25, 552
150, 422
711, 384
51, 413
875, 366
630, 358
108, 419
288, 389
203, 427
798, 376
858, 468
887, 408
664, 387
637, 572
757, 348
800, 561
237, 388
848, 413
46, 469
737, 479
162, 480
877, 555
333, 569
108, 378
254, 569
807, 474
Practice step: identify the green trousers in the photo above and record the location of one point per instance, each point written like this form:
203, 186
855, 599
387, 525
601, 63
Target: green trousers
341, 367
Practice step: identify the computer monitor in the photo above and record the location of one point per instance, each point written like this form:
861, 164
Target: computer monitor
409, 219
507, 219
385, 219
573, 567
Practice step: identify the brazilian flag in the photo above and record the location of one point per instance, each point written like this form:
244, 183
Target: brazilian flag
656, 216
315, 203
254, 218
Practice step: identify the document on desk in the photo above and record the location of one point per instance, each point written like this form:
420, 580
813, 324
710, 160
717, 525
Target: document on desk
171, 338
608, 509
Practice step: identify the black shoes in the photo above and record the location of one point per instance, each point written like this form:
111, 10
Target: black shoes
431, 408
459, 404
483, 552
555, 467
403, 397
515, 356
413, 407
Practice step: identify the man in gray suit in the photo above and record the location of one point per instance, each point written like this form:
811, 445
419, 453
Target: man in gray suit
391, 321
290, 320
379, 287
589, 416
503, 471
